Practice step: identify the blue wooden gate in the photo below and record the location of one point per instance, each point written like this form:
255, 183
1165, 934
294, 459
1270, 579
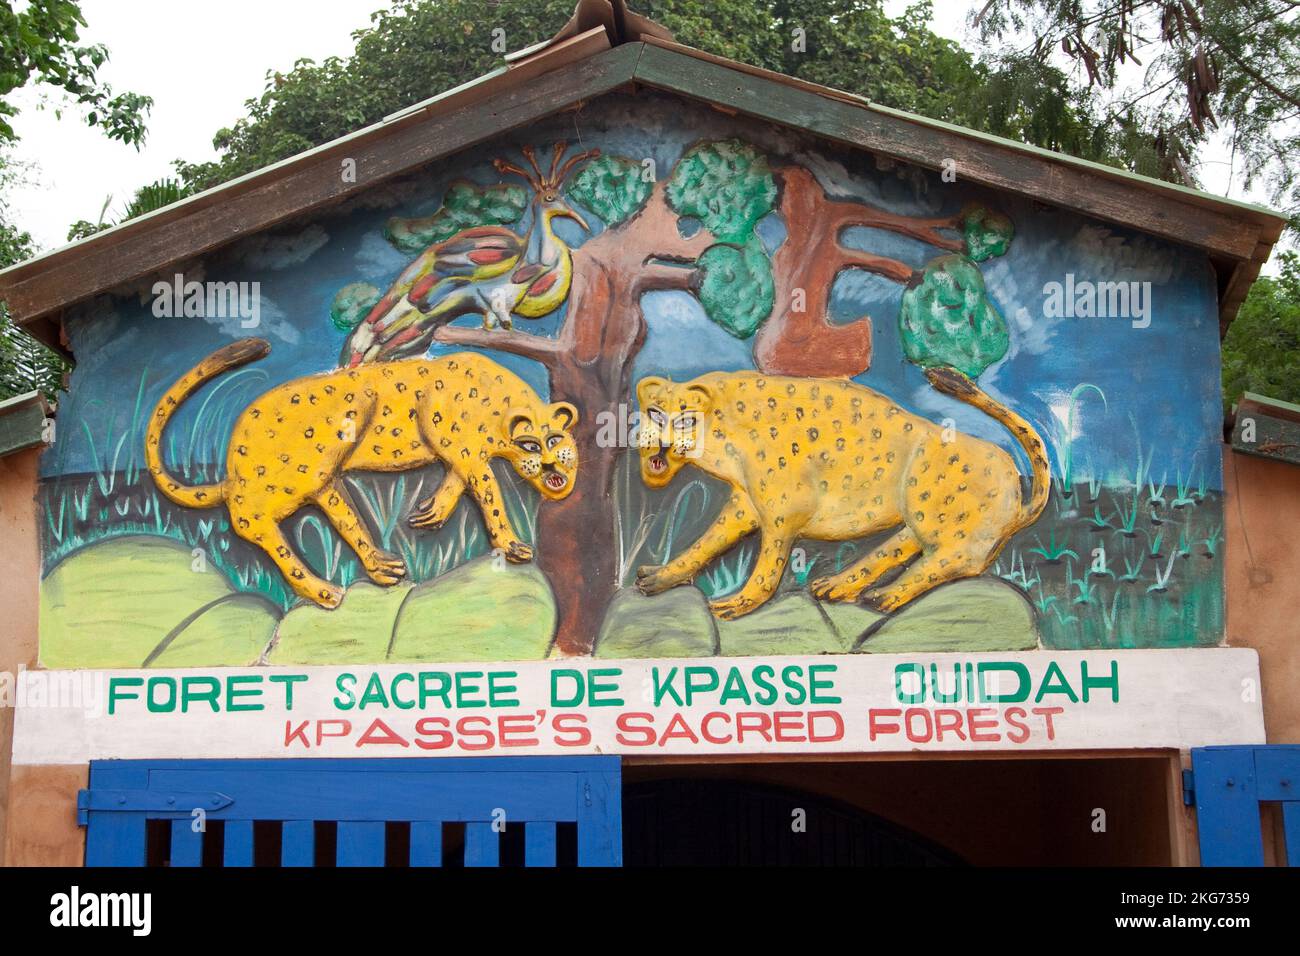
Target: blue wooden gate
1229, 784
440, 811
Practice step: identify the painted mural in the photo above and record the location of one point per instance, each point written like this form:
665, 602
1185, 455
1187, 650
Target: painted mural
644, 381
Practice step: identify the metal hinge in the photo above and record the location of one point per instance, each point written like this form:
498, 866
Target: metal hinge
148, 801
1189, 788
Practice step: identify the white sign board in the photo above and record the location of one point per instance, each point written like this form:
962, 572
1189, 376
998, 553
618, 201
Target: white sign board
1042, 700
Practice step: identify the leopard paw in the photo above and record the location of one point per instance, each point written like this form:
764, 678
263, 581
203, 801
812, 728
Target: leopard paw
328, 596
886, 602
651, 579
516, 552
426, 515
429, 520
834, 589
728, 609
384, 568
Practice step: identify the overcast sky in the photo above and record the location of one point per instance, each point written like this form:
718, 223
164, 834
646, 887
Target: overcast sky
200, 61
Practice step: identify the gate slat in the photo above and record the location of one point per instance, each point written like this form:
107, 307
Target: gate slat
1291, 827
187, 846
426, 843
115, 839
482, 846
539, 843
239, 843
1227, 809
298, 843
600, 819
360, 844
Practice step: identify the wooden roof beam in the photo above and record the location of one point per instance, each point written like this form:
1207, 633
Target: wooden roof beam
980, 159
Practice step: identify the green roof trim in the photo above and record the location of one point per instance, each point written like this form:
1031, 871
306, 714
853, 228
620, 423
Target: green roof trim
1271, 402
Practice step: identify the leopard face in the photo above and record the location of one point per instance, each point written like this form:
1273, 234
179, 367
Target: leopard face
539, 445
671, 428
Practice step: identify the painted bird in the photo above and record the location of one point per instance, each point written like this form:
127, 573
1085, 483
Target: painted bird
489, 270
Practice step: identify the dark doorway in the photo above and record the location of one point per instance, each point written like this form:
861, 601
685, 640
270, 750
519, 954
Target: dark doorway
709, 822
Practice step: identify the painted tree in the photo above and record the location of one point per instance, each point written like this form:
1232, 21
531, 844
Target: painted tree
699, 231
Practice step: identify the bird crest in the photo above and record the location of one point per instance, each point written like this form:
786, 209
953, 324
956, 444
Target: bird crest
546, 183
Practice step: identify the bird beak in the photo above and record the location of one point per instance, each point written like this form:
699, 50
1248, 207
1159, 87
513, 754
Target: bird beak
573, 214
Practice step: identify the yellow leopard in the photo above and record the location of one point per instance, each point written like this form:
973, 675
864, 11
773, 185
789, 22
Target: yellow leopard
832, 460
292, 445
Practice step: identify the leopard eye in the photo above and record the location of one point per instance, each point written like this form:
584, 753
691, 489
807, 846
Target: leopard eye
658, 417
686, 422
528, 445
554, 440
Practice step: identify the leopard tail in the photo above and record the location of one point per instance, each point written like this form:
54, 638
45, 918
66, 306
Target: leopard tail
954, 383
222, 360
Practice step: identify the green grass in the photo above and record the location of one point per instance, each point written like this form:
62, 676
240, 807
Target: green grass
78, 512
1170, 591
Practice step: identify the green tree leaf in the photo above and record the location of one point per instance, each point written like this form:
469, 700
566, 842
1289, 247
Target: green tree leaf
727, 185
610, 186
734, 285
351, 304
946, 318
987, 233
464, 205
1261, 352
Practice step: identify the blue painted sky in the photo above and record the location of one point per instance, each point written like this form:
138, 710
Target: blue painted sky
1161, 383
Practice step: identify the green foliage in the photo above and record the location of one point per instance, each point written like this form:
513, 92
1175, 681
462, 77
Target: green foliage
147, 199
83, 228
1227, 64
418, 47
352, 303
411, 50
610, 186
464, 205
25, 364
734, 285
947, 319
727, 185
153, 197
987, 233
1261, 352
38, 43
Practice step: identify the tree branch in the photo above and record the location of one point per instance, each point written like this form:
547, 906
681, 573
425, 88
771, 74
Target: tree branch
880, 265
539, 348
849, 214
656, 276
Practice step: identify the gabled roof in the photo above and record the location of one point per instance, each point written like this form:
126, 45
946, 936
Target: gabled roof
603, 48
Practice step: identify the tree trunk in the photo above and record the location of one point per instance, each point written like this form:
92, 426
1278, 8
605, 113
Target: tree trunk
576, 537
603, 331
799, 337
